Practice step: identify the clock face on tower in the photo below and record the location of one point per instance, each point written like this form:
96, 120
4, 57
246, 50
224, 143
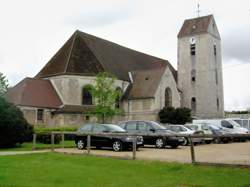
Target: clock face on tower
192, 40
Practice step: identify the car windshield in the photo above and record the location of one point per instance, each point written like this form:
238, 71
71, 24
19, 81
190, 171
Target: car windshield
214, 127
192, 127
157, 126
114, 128
235, 124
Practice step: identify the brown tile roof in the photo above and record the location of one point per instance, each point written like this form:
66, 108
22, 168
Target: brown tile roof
145, 84
34, 93
84, 54
195, 26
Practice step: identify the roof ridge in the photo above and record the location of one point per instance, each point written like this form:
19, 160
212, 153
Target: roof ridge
81, 32
70, 52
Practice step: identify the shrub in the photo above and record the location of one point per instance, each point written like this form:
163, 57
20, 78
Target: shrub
14, 129
46, 138
61, 129
175, 116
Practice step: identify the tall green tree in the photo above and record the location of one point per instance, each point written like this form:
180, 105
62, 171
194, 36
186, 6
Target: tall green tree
3, 85
105, 96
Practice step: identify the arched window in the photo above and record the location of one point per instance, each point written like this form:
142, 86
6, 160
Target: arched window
193, 104
86, 95
168, 97
117, 101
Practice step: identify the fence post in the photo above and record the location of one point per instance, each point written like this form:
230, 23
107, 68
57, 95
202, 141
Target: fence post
52, 141
134, 147
62, 139
34, 142
192, 149
88, 143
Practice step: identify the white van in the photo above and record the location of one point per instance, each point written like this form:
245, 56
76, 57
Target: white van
226, 124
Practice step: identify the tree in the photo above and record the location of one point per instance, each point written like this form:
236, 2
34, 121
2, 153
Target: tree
105, 95
13, 126
175, 116
3, 85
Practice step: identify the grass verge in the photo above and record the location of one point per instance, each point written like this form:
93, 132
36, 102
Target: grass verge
51, 169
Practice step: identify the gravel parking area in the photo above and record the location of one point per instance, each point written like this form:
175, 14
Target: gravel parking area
233, 153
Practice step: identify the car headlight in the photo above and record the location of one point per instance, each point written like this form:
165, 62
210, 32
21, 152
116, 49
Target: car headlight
129, 138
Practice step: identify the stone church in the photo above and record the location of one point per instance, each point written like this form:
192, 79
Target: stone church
57, 95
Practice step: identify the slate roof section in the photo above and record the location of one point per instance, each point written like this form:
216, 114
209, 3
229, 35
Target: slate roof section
87, 55
34, 93
194, 26
145, 84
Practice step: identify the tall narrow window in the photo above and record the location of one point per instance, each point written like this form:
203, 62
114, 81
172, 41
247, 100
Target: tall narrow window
218, 104
168, 97
193, 75
86, 96
193, 104
39, 115
117, 101
215, 50
192, 49
216, 76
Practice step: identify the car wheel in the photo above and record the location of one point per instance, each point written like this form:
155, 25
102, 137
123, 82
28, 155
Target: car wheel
117, 146
81, 144
217, 140
185, 142
159, 143
208, 141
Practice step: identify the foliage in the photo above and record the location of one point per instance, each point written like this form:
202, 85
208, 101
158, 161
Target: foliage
105, 96
46, 138
52, 169
175, 116
50, 129
61, 129
3, 85
13, 126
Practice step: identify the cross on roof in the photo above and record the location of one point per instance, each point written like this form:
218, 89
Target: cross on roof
198, 10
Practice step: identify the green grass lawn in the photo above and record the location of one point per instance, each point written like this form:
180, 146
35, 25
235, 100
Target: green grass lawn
27, 146
51, 169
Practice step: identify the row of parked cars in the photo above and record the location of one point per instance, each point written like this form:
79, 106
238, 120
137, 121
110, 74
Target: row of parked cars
161, 134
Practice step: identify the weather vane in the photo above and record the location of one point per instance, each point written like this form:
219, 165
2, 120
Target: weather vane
198, 10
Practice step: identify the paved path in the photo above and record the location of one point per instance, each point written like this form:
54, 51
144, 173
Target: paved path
3, 153
233, 153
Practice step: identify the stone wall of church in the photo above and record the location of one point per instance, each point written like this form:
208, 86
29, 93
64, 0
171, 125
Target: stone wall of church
167, 81
69, 87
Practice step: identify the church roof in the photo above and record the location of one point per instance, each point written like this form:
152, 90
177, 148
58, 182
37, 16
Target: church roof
87, 55
145, 84
194, 26
34, 93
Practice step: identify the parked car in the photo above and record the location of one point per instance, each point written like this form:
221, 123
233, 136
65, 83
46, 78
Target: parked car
181, 129
228, 125
151, 127
116, 142
201, 127
219, 131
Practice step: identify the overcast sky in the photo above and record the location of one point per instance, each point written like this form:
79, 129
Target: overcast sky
32, 31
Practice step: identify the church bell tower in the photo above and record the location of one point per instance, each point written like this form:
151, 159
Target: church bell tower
200, 67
